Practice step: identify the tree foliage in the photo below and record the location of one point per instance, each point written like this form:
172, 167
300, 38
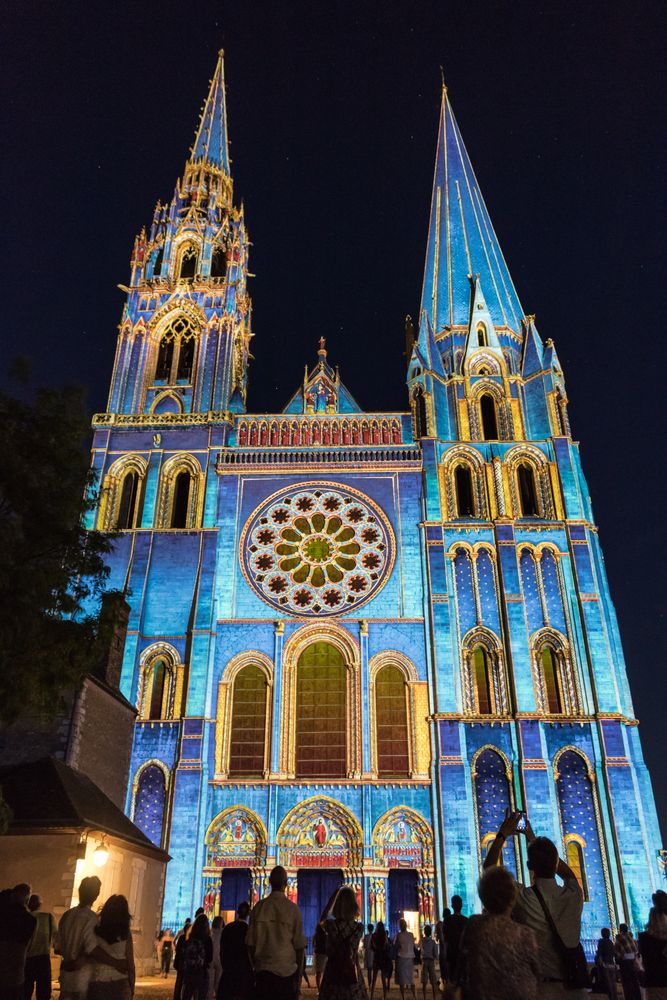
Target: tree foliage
52, 570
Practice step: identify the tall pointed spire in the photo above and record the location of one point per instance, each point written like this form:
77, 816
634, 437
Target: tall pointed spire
462, 241
210, 143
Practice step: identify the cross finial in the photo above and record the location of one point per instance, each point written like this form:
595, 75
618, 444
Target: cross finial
322, 348
442, 78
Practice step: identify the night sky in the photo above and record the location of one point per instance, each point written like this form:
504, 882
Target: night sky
333, 111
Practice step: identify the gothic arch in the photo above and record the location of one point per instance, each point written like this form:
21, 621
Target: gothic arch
392, 658
224, 708
469, 458
112, 491
484, 362
158, 819
484, 638
167, 399
182, 462
384, 833
489, 809
342, 640
502, 405
294, 831
238, 836
533, 457
173, 680
565, 673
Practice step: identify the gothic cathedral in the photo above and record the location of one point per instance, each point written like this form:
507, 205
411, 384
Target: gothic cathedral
357, 638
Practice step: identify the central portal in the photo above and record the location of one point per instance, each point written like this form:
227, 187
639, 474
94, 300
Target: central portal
314, 887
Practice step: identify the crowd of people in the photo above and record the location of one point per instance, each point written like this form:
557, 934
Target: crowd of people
524, 945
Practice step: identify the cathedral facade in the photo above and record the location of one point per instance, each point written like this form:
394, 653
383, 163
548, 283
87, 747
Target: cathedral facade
356, 638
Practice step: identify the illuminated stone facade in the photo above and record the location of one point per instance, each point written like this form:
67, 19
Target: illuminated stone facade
357, 638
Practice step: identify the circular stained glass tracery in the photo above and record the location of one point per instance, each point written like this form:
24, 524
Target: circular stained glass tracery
317, 549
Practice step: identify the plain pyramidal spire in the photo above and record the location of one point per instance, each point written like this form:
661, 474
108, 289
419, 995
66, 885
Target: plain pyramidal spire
462, 243
210, 143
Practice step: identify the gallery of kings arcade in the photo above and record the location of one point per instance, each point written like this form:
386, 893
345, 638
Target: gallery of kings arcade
355, 638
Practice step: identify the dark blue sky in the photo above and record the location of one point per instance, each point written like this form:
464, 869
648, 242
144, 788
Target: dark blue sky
333, 113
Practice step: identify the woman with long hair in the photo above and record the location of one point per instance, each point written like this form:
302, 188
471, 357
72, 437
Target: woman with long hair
196, 960
115, 939
382, 962
653, 948
342, 978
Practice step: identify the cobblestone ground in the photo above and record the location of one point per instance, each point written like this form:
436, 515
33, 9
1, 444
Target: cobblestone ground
158, 988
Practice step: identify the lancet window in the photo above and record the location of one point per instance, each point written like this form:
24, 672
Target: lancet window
484, 680
580, 821
158, 681
218, 262
248, 737
463, 484
419, 412
181, 493
391, 721
122, 495
321, 713
150, 793
493, 800
175, 360
489, 417
529, 483
187, 262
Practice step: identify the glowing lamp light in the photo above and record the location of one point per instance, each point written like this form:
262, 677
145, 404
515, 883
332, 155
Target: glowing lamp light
101, 853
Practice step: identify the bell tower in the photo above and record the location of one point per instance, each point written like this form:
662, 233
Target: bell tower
183, 342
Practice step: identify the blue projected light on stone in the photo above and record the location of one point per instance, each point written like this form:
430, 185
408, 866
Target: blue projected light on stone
149, 802
492, 800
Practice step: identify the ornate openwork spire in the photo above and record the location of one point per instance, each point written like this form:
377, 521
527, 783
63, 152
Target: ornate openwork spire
462, 241
211, 140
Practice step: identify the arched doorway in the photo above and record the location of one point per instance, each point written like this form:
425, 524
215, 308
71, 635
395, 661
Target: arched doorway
403, 849
235, 861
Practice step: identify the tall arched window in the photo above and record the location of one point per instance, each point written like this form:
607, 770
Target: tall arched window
179, 510
321, 716
487, 406
128, 508
551, 681
247, 740
391, 720
188, 266
492, 803
421, 422
157, 262
527, 490
160, 688
482, 340
574, 856
218, 263
481, 669
149, 802
165, 358
465, 504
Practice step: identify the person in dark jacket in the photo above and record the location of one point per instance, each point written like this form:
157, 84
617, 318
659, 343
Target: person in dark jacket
17, 926
237, 980
196, 959
605, 960
653, 948
452, 930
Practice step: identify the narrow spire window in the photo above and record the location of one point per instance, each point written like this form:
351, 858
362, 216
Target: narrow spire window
188, 263
550, 680
165, 357
157, 693
218, 263
157, 262
482, 340
487, 405
421, 423
482, 677
186, 358
527, 490
179, 511
127, 507
465, 506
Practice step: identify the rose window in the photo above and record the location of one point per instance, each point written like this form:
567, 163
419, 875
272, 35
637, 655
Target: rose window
317, 550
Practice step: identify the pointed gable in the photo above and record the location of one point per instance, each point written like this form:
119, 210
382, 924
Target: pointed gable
462, 241
425, 351
322, 390
481, 331
533, 350
211, 140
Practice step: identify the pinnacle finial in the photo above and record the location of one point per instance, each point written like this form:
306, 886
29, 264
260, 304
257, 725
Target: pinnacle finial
322, 351
442, 80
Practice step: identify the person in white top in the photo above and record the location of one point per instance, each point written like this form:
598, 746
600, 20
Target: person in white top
429, 955
112, 982
77, 944
405, 959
